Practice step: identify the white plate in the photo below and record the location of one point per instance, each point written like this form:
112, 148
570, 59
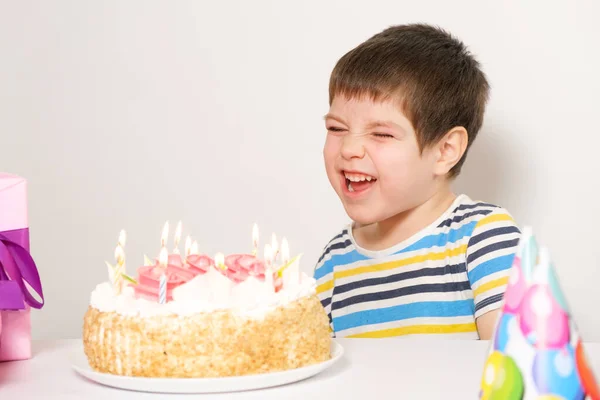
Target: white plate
202, 385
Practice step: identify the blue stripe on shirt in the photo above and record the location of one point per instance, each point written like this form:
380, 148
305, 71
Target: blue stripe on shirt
490, 267
442, 239
338, 259
405, 311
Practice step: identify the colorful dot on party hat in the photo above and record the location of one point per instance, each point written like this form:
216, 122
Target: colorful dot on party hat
542, 321
585, 373
517, 282
515, 290
501, 379
555, 372
506, 324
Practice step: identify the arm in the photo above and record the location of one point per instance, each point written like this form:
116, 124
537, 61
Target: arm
486, 324
490, 254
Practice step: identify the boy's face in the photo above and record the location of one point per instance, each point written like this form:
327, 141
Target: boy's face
373, 160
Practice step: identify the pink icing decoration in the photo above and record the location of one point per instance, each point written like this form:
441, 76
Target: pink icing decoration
516, 288
199, 263
542, 320
239, 268
149, 276
175, 259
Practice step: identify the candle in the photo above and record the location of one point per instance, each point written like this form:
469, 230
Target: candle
163, 258
119, 269
194, 250
220, 261
162, 289
188, 246
269, 280
268, 255
165, 235
122, 238
255, 240
177, 237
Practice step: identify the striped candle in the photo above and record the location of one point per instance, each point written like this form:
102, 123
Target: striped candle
119, 269
162, 289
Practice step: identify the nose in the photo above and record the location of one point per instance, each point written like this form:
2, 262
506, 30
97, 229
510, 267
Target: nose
352, 147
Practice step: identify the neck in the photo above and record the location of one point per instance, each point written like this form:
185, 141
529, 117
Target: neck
387, 233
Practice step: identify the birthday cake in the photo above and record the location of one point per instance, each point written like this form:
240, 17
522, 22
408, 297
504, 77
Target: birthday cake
190, 315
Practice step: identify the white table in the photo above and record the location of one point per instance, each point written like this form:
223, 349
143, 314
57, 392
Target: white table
371, 369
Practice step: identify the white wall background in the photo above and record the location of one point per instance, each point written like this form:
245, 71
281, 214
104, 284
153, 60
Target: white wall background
125, 114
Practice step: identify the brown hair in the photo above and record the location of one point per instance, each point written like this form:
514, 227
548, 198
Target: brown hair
436, 80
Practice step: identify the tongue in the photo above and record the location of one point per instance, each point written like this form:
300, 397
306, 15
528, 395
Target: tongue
362, 185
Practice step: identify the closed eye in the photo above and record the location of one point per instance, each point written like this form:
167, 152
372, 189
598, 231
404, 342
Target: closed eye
383, 135
335, 129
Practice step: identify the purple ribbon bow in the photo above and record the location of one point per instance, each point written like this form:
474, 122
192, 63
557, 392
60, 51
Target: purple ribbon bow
16, 268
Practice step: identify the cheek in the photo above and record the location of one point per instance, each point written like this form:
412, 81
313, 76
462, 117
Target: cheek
401, 170
330, 152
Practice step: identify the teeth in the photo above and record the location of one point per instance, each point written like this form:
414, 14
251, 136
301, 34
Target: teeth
350, 188
358, 177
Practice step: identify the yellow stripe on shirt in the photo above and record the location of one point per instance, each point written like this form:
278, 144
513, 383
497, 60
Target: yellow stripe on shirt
416, 330
493, 218
325, 286
401, 263
391, 265
490, 285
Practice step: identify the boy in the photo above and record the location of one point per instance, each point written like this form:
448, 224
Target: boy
405, 106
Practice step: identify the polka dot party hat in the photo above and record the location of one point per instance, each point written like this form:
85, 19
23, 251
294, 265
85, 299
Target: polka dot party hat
536, 352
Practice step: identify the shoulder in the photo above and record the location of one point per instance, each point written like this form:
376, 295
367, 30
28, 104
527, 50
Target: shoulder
472, 213
340, 244
481, 224
492, 235
471, 217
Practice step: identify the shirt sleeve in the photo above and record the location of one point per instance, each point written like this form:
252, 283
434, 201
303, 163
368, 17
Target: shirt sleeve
490, 253
323, 274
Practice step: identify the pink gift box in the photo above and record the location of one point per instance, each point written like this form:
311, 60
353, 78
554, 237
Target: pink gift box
16, 267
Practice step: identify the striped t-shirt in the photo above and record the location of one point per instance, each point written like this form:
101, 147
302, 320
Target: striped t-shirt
436, 282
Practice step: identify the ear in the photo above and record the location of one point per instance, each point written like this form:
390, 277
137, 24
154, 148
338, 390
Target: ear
450, 149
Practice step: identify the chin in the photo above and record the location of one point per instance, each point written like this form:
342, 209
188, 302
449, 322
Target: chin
362, 215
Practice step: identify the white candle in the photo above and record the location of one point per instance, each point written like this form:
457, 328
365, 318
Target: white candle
177, 238
119, 269
122, 238
163, 258
194, 249
268, 255
188, 246
165, 235
162, 289
220, 261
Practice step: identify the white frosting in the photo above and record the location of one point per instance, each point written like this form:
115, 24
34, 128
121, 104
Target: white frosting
207, 292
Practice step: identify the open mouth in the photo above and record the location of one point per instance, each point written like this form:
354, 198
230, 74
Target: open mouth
358, 182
